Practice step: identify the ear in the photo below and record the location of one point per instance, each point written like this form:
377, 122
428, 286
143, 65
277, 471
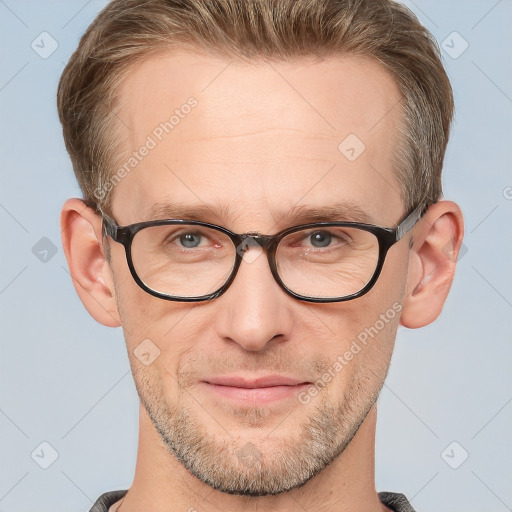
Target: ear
436, 244
81, 231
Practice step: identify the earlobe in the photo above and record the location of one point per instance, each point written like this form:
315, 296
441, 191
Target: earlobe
432, 263
83, 246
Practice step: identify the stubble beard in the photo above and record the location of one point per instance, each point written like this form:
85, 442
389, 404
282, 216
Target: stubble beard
263, 464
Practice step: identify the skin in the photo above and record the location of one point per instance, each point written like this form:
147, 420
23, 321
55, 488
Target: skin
262, 139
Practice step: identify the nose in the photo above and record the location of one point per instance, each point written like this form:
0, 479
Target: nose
254, 310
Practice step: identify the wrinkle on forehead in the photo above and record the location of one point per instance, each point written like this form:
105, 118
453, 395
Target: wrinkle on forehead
326, 90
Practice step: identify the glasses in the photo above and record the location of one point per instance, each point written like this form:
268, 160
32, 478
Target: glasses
185, 260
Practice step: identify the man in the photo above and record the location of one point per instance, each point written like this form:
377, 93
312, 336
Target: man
262, 210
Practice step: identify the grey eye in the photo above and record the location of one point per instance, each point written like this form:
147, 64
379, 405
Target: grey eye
190, 240
320, 239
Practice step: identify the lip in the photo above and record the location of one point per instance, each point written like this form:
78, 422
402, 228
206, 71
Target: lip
239, 381
256, 391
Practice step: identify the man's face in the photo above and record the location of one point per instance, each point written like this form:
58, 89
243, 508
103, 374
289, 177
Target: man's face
262, 139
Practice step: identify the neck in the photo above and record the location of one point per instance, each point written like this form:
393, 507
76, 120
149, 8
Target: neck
162, 484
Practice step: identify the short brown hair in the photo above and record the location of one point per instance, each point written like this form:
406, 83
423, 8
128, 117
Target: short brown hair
126, 31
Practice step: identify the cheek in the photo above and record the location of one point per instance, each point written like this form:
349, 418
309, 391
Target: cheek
156, 331
142, 314
359, 334
368, 339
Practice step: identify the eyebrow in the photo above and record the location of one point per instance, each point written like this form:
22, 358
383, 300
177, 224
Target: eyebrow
345, 211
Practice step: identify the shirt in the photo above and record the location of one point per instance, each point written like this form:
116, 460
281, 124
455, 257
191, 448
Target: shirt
393, 500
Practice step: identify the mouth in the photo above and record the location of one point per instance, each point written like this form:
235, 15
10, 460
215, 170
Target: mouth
255, 391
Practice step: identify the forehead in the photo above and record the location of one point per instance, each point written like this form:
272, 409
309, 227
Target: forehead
259, 136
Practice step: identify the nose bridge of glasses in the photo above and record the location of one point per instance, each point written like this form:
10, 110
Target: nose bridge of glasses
255, 240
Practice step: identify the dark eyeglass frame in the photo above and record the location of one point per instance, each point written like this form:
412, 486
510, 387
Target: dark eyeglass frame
386, 237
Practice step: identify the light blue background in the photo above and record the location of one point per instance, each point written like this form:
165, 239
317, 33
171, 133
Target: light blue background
66, 380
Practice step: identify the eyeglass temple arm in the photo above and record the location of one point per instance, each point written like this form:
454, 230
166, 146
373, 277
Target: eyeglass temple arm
109, 224
407, 224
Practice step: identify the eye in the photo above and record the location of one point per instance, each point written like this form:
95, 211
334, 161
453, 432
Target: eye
187, 239
324, 239
320, 238
190, 240
202, 239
